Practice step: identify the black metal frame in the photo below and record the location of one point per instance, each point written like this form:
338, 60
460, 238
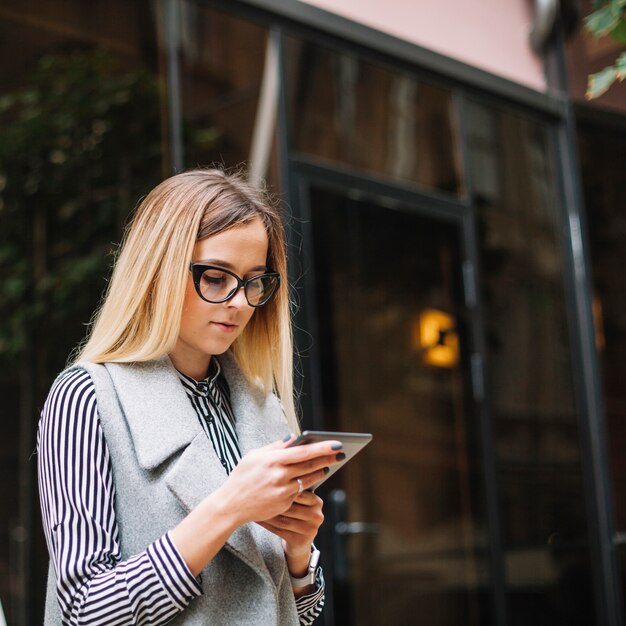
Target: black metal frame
484, 410
306, 172
586, 363
291, 17
587, 385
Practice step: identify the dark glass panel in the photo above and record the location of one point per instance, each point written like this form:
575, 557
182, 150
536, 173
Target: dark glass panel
382, 120
538, 464
80, 119
381, 278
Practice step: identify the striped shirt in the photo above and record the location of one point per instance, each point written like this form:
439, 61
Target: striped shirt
211, 400
94, 585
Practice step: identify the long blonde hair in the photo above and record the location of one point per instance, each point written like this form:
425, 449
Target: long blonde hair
139, 319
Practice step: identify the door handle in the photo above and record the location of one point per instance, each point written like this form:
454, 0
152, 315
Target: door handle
356, 528
341, 530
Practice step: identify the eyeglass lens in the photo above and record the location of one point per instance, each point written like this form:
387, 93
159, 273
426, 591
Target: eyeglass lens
217, 285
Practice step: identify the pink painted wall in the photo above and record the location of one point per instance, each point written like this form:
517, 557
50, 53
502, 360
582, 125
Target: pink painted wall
489, 34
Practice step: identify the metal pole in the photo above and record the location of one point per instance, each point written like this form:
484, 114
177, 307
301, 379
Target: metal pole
21, 533
171, 29
597, 482
471, 276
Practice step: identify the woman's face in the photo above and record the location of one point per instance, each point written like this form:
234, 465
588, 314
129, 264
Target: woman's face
207, 329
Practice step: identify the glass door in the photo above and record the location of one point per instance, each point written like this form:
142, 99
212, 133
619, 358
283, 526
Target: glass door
405, 535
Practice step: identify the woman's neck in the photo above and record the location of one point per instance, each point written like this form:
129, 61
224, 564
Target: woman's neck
195, 366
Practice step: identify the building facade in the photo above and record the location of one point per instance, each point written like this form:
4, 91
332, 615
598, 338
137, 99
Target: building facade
456, 230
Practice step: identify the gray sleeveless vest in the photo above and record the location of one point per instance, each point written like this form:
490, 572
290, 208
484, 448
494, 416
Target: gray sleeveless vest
164, 465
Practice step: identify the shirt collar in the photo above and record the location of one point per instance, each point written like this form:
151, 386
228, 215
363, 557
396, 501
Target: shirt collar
202, 387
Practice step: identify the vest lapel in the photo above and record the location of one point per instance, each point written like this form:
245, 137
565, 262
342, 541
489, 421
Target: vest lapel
195, 474
252, 409
260, 421
160, 418
162, 423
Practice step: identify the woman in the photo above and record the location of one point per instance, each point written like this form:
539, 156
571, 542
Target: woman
167, 487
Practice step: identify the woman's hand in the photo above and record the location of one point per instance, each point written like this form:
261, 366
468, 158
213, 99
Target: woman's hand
264, 484
298, 527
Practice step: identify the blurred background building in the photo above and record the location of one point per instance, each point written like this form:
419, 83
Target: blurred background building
457, 227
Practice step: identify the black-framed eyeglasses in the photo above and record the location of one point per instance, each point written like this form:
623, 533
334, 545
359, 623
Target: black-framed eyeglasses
216, 285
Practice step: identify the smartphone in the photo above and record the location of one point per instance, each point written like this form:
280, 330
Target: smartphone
352, 444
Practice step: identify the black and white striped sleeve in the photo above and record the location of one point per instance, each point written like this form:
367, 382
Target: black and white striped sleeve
94, 586
310, 606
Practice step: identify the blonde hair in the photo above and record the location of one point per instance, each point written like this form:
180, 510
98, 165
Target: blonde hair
139, 319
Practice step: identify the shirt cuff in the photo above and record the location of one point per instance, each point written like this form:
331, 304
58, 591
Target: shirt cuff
170, 567
309, 606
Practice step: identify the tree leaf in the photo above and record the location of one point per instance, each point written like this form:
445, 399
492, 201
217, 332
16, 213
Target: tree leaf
602, 21
600, 82
620, 66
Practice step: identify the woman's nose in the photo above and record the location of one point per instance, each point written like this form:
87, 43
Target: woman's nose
239, 299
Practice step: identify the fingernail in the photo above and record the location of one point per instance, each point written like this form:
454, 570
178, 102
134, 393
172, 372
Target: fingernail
287, 437
341, 456
336, 446
326, 470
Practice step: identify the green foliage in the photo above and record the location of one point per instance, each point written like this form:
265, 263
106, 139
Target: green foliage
608, 19
80, 144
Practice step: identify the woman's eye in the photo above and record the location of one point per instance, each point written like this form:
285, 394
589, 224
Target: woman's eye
213, 280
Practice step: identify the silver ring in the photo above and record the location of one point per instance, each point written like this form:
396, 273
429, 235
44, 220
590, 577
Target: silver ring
300, 486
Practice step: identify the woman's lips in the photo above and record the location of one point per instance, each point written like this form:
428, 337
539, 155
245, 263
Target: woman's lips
225, 327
